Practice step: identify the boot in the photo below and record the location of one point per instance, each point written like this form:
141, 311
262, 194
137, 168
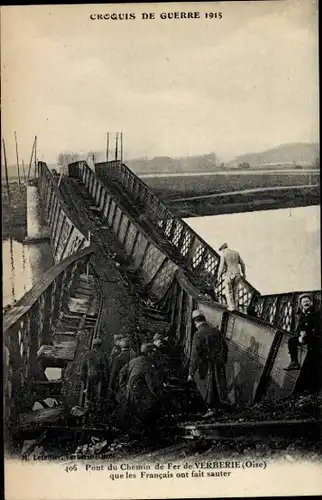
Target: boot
294, 365
209, 413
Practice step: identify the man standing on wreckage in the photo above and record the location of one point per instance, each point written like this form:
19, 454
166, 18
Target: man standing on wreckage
207, 364
308, 334
234, 268
94, 375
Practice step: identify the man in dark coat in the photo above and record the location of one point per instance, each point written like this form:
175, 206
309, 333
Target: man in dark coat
94, 373
141, 387
116, 349
207, 363
160, 357
307, 334
119, 361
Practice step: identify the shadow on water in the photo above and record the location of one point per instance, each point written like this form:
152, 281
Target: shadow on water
13, 272
17, 233
23, 266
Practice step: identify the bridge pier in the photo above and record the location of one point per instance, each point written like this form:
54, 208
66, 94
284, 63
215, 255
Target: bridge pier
38, 235
37, 229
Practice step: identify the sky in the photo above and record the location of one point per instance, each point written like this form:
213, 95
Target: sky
243, 83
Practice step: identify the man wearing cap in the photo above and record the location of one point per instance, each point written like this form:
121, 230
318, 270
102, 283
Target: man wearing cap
207, 363
141, 386
307, 334
116, 349
160, 356
94, 373
119, 361
234, 268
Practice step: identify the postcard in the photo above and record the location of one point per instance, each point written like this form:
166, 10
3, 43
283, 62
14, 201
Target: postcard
161, 250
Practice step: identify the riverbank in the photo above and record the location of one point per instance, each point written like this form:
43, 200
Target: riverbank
172, 187
247, 202
14, 214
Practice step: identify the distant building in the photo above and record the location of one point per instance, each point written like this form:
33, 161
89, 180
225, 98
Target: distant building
287, 164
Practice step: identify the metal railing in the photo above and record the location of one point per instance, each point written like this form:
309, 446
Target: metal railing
282, 309
67, 237
200, 260
258, 342
258, 351
29, 324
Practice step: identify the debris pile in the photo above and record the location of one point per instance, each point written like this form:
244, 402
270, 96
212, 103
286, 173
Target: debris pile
290, 428
295, 407
301, 407
93, 449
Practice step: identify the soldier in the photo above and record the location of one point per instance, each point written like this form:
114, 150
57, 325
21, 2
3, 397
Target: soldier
95, 373
207, 363
307, 334
116, 349
141, 386
160, 357
119, 361
234, 267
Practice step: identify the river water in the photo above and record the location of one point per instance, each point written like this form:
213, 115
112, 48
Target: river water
281, 250
23, 265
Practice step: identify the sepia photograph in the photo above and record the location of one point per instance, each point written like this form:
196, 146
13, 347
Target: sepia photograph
161, 250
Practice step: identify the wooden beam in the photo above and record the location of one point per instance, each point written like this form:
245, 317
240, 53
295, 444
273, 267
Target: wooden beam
17, 157
47, 388
107, 145
58, 354
23, 169
31, 157
39, 418
30, 446
6, 169
116, 145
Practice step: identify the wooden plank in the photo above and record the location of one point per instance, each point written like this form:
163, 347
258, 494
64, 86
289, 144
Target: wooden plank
59, 331
63, 351
88, 297
86, 278
38, 417
261, 429
47, 384
83, 293
70, 321
31, 445
65, 337
79, 306
84, 286
26, 302
93, 310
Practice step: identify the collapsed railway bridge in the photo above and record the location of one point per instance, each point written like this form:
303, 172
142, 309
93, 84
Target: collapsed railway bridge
123, 260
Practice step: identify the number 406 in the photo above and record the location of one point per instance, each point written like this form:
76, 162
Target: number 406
71, 468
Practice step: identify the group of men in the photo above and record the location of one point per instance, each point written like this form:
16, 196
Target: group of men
132, 379
136, 375
136, 381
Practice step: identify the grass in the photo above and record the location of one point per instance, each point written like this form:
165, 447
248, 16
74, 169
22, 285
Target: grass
174, 187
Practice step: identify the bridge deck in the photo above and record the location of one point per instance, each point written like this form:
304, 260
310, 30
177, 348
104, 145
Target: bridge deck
134, 292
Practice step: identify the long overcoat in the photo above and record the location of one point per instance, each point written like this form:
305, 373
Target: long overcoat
207, 364
141, 386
